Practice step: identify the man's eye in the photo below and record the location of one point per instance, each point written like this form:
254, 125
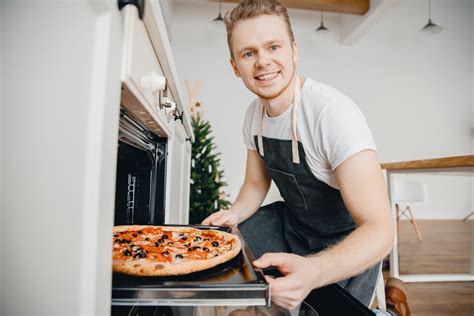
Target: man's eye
248, 54
274, 47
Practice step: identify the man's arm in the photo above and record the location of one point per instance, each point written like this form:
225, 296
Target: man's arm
251, 195
364, 192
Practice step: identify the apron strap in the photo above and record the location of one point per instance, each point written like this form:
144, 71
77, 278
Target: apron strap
260, 132
294, 135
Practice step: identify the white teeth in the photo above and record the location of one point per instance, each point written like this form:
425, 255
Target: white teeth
267, 76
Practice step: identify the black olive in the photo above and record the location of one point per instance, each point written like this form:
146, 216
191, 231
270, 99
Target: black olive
179, 256
165, 253
184, 238
157, 244
194, 248
115, 236
126, 241
139, 232
198, 238
132, 245
216, 254
134, 235
206, 239
164, 236
205, 249
127, 252
170, 243
215, 243
181, 234
140, 255
147, 239
118, 240
160, 240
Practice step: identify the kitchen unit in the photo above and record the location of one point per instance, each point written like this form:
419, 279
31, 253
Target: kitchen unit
89, 92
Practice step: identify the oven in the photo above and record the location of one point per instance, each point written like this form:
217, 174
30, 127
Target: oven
152, 181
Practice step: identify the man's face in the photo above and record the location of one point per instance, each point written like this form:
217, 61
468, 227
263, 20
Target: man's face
264, 56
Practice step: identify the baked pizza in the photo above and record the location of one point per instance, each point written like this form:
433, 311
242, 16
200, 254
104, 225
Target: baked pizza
167, 250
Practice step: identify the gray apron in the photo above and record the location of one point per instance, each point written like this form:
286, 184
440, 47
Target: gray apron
313, 215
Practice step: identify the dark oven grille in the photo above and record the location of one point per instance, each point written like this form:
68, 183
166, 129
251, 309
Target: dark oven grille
141, 174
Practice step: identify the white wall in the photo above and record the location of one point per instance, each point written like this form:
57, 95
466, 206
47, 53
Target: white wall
416, 92
1, 162
167, 8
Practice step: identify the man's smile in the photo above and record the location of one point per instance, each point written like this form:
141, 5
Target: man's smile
267, 76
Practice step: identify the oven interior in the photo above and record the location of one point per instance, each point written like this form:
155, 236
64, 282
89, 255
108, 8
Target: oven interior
141, 174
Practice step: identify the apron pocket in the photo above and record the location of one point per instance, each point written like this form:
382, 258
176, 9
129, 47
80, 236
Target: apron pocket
289, 188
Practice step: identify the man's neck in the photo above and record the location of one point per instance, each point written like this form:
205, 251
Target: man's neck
278, 105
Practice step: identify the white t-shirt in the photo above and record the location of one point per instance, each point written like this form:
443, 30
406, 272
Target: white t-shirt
329, 125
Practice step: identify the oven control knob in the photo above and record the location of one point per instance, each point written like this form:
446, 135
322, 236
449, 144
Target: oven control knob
153, 82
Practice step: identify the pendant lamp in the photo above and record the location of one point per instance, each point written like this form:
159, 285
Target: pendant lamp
321, 32
217, 25
430, 27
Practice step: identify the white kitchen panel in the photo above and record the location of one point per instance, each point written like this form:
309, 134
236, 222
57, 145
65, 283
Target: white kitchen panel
140, 63
186, 167
177, 199
60, 110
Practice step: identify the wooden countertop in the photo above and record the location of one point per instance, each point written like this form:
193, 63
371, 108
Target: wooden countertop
445, 162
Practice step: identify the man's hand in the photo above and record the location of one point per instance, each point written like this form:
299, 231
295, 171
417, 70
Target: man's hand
298, 281
223, 217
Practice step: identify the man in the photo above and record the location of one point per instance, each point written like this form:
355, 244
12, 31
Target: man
335, 223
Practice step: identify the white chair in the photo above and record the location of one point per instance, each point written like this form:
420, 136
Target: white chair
379, 292
407, 193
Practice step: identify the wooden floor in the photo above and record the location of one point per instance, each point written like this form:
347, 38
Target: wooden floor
446, 248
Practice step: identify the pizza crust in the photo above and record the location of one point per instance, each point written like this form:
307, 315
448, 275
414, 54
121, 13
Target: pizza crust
143, 267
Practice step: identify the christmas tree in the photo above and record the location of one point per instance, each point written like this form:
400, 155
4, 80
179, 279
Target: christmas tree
207, 195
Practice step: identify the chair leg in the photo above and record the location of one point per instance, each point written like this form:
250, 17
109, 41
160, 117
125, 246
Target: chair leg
397, 207
380, 292
415, 225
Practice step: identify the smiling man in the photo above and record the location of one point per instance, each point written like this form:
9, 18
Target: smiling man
334, 225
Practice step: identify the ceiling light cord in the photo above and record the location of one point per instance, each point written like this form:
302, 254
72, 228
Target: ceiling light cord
429, 10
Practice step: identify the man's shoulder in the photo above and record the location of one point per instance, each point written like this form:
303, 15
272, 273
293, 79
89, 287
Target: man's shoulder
318, 96
252, 109
253, 106
321, 91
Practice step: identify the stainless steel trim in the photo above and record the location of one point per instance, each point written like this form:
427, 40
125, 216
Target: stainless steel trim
191, 302
133, 134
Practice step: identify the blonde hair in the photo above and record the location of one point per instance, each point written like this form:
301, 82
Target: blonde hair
247, 9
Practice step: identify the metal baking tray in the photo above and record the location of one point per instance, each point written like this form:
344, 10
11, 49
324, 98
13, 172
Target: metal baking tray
233, 283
